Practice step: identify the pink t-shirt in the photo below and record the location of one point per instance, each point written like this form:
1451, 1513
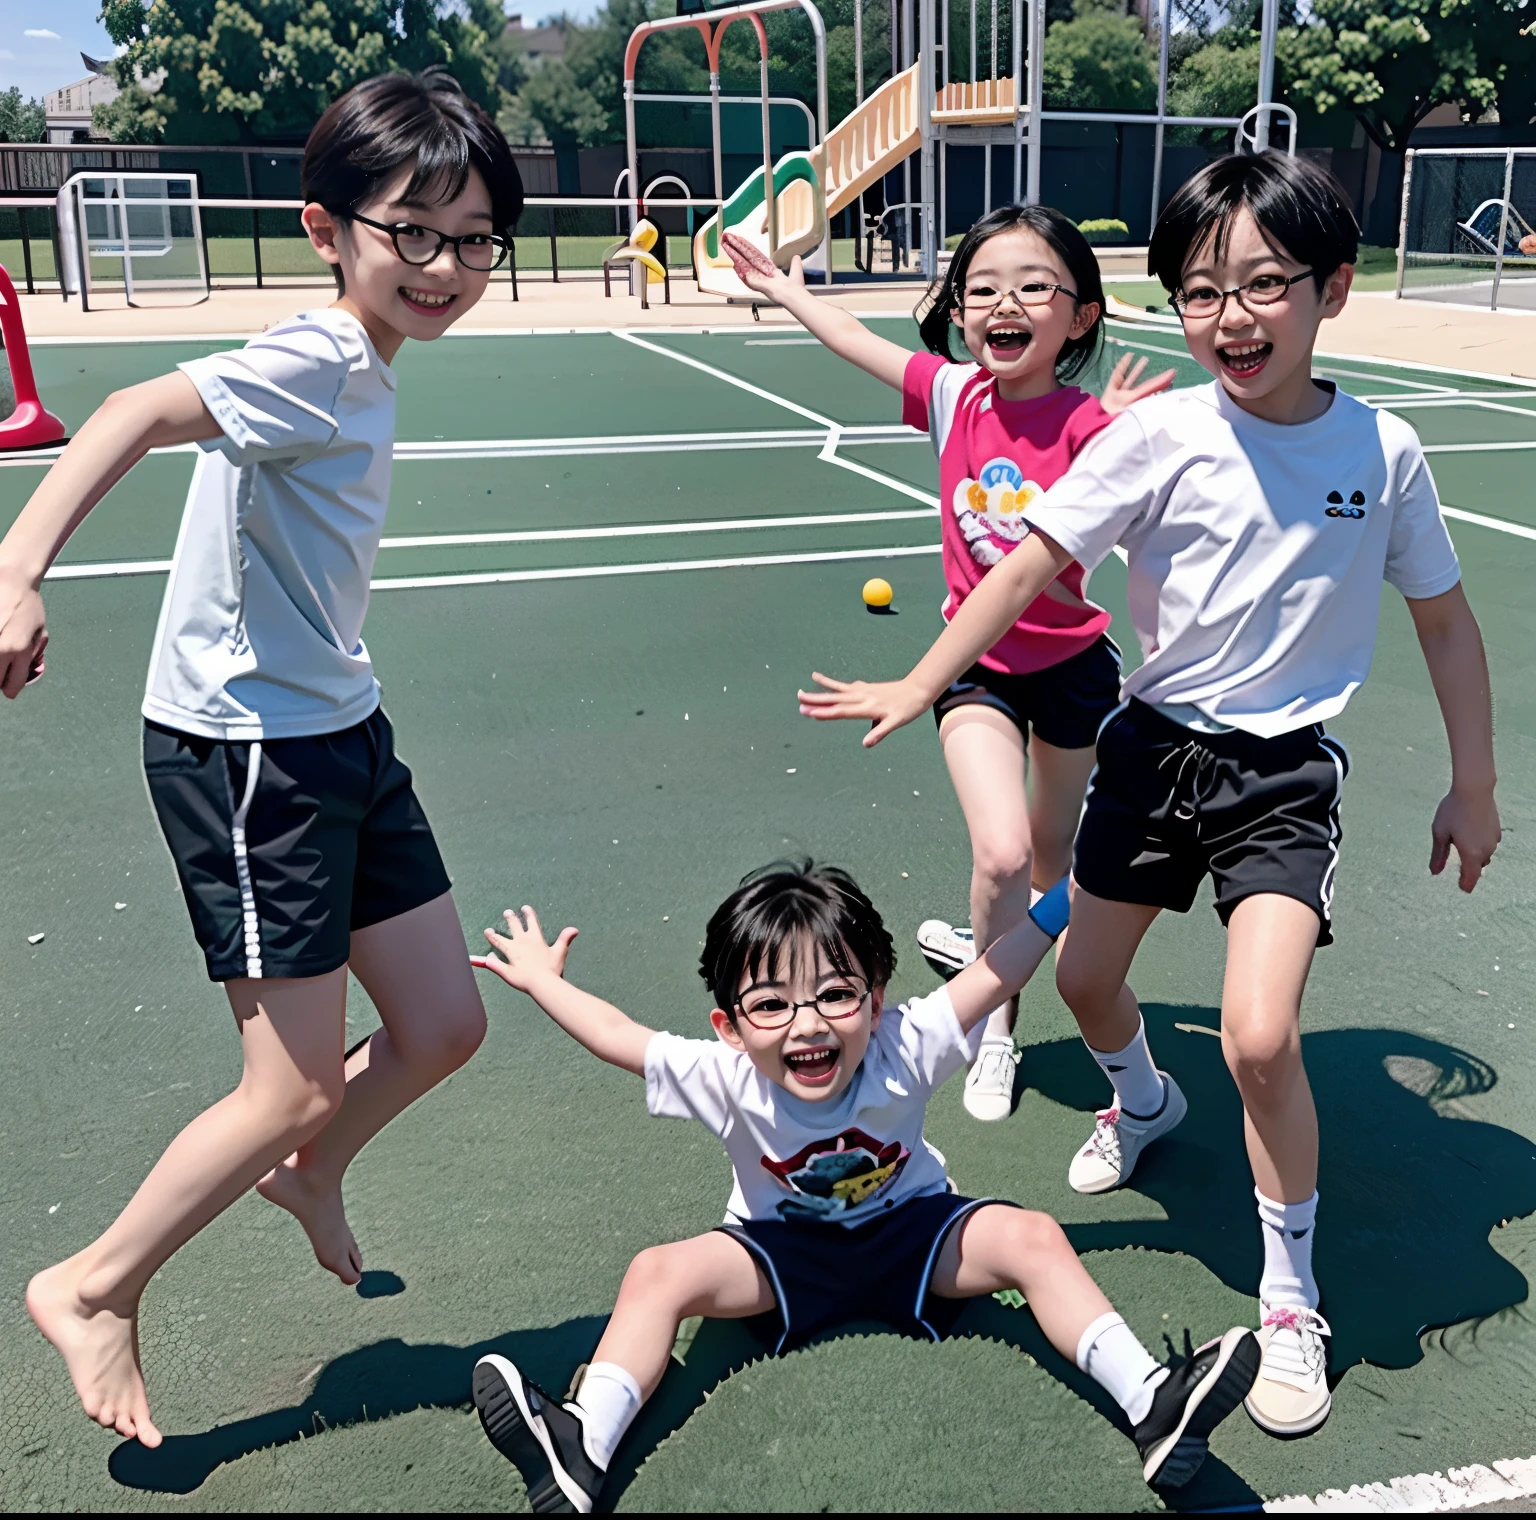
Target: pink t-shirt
995, 457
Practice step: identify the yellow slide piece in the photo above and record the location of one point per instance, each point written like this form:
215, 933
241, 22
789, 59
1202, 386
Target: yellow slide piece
858, 151
654, 273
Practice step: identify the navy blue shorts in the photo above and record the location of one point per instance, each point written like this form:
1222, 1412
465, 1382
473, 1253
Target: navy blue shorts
1065, 704
826, 1275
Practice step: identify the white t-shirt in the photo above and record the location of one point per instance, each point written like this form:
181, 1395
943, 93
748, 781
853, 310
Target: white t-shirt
1256, 550
260, 633
843, 1162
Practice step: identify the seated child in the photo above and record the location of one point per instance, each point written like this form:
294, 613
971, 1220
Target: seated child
841, 1211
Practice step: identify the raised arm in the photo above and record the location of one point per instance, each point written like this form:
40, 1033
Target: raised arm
1007, 965
532, 966
983, 618
127, 425
840, 330
1468, 816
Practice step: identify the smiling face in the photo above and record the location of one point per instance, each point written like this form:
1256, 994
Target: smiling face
815, 1053
1019, 344
1262, 354
395, 300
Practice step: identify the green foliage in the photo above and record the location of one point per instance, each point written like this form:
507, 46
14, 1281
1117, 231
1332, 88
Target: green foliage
1218, 80
1099, 61
21, 120
249, 70
1104, 229
1392, 62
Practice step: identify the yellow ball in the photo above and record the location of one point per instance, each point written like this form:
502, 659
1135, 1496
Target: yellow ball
877, 593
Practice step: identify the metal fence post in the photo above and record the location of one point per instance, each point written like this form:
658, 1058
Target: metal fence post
1402, 221
256, 243
554, 250
26, 249
1498, 258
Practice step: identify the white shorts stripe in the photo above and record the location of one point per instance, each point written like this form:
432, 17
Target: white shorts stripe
250, 924
1340, 757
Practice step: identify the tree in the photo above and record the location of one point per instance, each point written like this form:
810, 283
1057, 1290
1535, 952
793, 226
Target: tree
1099, 61
1217, 80
21, 120
1514, 41
249, 70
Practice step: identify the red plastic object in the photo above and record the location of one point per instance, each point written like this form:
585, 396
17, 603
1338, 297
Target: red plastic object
31, 425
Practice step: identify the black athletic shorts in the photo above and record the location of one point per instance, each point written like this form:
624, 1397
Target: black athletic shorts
285, 847
826, 1275
1166, 805
1065, 704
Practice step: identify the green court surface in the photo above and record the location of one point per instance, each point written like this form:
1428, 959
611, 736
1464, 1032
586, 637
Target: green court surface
610, 561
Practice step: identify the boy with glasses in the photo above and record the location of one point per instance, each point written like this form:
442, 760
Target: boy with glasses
295, 831
1260, 515
841, 1210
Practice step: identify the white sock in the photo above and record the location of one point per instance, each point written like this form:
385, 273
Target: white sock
609, 1401
1287, 1230
999, 1025
1137, 1085
1112, 1356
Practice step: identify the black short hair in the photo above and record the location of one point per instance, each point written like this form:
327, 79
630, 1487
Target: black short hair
1300, 208
762, 925
1061, 235
367, 136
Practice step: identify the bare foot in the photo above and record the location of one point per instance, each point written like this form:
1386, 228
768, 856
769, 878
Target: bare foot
100, 1348
320, 1211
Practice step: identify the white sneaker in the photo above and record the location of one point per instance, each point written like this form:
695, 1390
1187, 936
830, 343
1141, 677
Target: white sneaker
1110, 1155
1291, 1396
989, 1084
947, 949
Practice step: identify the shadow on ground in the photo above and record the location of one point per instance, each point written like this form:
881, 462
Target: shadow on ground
1410, 1192
1409, 1188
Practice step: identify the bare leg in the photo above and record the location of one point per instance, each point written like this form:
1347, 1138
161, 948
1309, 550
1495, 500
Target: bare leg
416, 969
985, 756
1058, 779
1270, 943
291, 1032
1093, 964
999, 1247
713, 1275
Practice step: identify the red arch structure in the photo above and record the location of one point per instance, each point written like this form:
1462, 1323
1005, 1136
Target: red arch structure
31, 425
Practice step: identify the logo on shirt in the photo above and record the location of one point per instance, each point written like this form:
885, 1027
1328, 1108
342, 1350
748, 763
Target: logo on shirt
992, 507
1336, 507
829, 1177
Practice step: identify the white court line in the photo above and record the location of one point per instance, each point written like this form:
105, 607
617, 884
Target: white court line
722, 375
1519, 530
585, 572
1474, 448
1423, 1493
782, 343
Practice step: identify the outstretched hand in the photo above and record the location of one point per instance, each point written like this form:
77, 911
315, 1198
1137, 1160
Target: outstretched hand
525, 956
23, 637
885, 705
1123, 391
756, 270
1470, 822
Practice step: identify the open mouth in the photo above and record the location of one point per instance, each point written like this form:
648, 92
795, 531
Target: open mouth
430, 303
1008, 342
813, 1067
1244, 360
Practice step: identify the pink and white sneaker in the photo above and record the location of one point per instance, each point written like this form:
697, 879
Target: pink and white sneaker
1118, 1138
1291, 1396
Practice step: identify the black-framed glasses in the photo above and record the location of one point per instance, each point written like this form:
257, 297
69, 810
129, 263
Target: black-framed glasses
768, 1009
418, 245
1206, 301
1035, 293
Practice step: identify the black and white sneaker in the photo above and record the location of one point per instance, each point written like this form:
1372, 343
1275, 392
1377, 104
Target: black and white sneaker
541, 1438
1190, 1403
948, 949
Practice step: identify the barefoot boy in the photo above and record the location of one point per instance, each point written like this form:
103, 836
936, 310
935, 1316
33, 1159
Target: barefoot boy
841, 1210
300, 845
1260, 515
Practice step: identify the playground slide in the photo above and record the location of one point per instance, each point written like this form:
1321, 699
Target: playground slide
811, 185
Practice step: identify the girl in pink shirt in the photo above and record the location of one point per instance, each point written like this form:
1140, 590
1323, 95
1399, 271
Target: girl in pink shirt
1024, 298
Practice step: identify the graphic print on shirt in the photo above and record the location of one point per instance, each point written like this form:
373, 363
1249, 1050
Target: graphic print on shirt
1336, 507
992, 508
828, 1177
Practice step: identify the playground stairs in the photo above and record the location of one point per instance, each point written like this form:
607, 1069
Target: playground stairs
811, 185
982, 103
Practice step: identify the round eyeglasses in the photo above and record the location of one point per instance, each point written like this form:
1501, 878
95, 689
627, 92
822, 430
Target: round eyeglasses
418, 245
1036, 293
766, 1009
1206, 301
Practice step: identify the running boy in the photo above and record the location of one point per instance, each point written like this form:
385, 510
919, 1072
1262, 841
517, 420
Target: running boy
1260, 514
300, 845
1023, 297
841, 1210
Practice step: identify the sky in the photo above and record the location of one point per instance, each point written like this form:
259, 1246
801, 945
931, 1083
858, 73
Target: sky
41, 40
